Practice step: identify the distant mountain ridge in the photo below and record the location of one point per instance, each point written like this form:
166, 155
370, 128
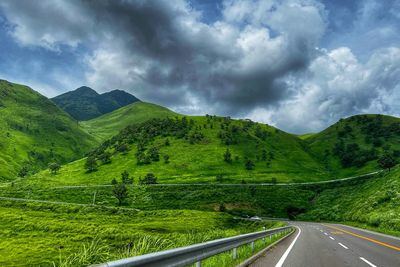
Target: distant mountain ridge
85, 103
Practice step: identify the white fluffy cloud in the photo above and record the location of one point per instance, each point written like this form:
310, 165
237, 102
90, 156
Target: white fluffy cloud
338, 85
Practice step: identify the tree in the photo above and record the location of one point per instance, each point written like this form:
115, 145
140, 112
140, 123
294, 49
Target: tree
125, 178
149, 178
228, 156
222, 207
219, 178
105, 158
167, 142
91, 164
166, 159
120, 192
153, 154
114, 181
23, 171
386, 161
249, 165
264, 155
54, 167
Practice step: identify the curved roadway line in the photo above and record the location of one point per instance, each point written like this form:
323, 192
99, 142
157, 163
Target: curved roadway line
284, 256
252, 184
364, 237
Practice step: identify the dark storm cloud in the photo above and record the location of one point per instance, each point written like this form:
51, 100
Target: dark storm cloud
176, 55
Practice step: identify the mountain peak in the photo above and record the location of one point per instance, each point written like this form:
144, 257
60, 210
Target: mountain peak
84, 103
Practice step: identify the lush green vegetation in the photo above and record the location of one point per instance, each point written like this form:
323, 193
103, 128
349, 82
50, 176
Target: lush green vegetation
35, 132
85, 103
375, 203
66, 235
110, 124
353, 145
191, 150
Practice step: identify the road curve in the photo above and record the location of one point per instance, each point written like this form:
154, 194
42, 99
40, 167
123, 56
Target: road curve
333, 245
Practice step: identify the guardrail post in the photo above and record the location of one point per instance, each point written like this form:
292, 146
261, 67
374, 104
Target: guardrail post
252, 246
234, 253
198, 264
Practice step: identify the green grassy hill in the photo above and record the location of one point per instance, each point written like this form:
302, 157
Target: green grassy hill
353, 145
85, 103
34, 132
195, 147
110, 124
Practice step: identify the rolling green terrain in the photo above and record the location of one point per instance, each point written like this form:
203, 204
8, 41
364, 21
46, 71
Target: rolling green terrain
110, 124
85, 103
353, 145
34, 132
195, 147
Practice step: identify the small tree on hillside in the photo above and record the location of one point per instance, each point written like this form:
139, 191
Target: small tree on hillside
166, 159
91, 164
249, 165
120, 192
125, 178
386, 161
23, 171
150, 178
228, 156
105, 157
54, 167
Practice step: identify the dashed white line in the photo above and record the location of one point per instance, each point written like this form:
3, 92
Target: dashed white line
325, 234
367, 262
332, 238
343, 246
284, 256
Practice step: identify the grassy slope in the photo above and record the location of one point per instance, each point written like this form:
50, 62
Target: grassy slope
29, 122
375, 203
43, 234
110, 124
201, 162
327, 139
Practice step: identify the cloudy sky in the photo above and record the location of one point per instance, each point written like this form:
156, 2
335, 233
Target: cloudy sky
297, 64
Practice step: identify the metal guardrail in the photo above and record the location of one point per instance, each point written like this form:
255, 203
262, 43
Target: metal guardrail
184, 256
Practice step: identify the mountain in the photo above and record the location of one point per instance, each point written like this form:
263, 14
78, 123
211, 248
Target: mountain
34, 132
353, 145
180, 149
110, 124
85, 103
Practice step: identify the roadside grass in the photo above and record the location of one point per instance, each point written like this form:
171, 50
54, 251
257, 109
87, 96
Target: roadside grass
374, 203
43, 234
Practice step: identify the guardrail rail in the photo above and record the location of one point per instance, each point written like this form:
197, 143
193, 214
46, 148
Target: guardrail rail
184, 256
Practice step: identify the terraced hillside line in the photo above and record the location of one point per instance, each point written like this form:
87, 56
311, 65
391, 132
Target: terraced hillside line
371, 174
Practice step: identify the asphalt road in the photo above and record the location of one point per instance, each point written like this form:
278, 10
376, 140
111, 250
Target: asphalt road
332, 245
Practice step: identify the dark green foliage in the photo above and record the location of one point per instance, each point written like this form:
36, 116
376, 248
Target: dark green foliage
125, 178
84, 103
23, 171
54, 167
153, 154
120, 192
386, 161
166, 159
149, 178
219, 178
105, 157
222, 207
167, 142
114, 181
352, 155
249, 164
91, 164
228, 156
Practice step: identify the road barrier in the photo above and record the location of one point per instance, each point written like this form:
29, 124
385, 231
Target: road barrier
184, 256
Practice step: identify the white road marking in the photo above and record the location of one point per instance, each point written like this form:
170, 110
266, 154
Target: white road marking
343, 246
325, 234
367, 262
284, 256
332, 238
